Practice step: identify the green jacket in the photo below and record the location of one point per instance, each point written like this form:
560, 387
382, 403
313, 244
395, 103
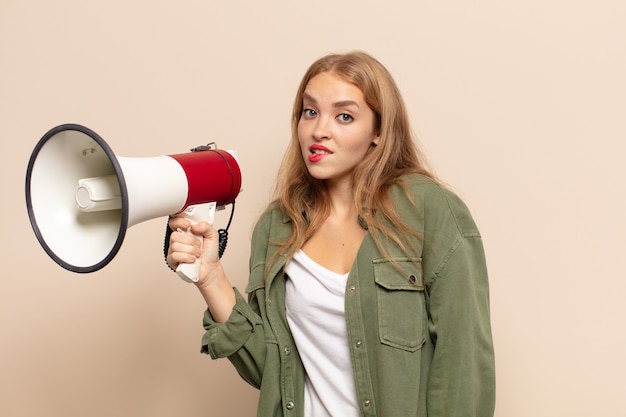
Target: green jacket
420, 342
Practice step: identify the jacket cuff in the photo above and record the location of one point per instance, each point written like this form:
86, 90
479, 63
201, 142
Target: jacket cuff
224, 339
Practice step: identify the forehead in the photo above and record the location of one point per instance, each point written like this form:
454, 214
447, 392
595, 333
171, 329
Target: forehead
330, 87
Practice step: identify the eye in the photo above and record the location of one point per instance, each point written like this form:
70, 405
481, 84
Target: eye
308, 113
345, 118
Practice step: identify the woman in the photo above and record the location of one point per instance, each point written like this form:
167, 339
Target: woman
368, 292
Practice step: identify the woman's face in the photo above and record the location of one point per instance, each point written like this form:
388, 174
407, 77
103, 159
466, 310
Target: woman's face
336, 128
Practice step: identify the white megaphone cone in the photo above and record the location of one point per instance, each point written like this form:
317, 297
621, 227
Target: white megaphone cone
81, 198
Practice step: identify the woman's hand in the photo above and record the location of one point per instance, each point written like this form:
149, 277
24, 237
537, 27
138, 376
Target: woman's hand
212, 281
186, 248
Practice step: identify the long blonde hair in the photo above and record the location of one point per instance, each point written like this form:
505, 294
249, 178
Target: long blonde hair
305, 200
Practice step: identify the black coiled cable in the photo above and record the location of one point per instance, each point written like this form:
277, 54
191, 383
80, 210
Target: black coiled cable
223, 233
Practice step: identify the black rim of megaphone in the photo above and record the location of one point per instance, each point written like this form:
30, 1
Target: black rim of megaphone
123, 193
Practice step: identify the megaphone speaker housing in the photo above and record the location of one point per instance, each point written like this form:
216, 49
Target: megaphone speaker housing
81, 197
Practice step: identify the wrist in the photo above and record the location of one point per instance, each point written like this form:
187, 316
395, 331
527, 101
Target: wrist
213, 277
217, 292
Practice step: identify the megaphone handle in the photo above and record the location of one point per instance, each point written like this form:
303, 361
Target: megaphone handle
189, 272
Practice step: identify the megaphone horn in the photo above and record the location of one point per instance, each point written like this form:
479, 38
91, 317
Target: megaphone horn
81, 198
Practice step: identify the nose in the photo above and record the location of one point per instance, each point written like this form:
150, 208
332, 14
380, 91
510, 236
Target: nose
321, 129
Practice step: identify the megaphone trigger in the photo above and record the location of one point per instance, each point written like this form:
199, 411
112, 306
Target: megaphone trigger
189, 272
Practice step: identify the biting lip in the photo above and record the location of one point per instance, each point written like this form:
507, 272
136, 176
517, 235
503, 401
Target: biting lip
319, 149
318, 152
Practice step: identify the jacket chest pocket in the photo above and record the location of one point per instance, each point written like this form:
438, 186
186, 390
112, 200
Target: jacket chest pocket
400, 301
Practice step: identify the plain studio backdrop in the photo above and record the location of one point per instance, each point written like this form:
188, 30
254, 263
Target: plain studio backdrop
520, 106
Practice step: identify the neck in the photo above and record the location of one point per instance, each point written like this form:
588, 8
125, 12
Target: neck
342, 200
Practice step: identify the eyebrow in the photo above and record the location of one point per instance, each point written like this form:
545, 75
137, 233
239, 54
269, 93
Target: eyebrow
342, 103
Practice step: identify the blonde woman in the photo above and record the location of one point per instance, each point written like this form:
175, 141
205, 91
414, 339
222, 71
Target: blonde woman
368, 291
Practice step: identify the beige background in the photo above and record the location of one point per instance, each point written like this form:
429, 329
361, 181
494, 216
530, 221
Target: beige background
519, 104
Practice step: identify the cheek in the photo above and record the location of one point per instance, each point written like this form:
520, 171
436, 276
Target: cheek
301, 141
300, 132
364, 143
300, 135
301, 129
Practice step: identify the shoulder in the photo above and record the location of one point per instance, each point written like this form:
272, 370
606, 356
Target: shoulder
273, 220
436, 203
272, 228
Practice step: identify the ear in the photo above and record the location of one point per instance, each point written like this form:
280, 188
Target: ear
375, 140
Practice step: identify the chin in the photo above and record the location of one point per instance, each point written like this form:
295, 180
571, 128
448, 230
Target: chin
316, 175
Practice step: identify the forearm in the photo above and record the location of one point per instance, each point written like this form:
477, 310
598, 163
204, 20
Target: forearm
218, 294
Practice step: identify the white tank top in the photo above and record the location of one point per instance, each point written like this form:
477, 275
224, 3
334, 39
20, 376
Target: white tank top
315, 313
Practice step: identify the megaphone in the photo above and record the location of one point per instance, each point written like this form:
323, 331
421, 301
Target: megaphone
81, 197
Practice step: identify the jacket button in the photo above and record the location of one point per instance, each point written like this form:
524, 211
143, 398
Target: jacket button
287, 351
367, 403
352, 288
290, 405
412, 278
358, 343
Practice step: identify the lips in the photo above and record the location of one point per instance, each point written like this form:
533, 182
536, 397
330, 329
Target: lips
318, 152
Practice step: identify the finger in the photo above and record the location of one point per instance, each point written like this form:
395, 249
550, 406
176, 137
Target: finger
176, 258
203, 229
191, 244
185, 238
178, 222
